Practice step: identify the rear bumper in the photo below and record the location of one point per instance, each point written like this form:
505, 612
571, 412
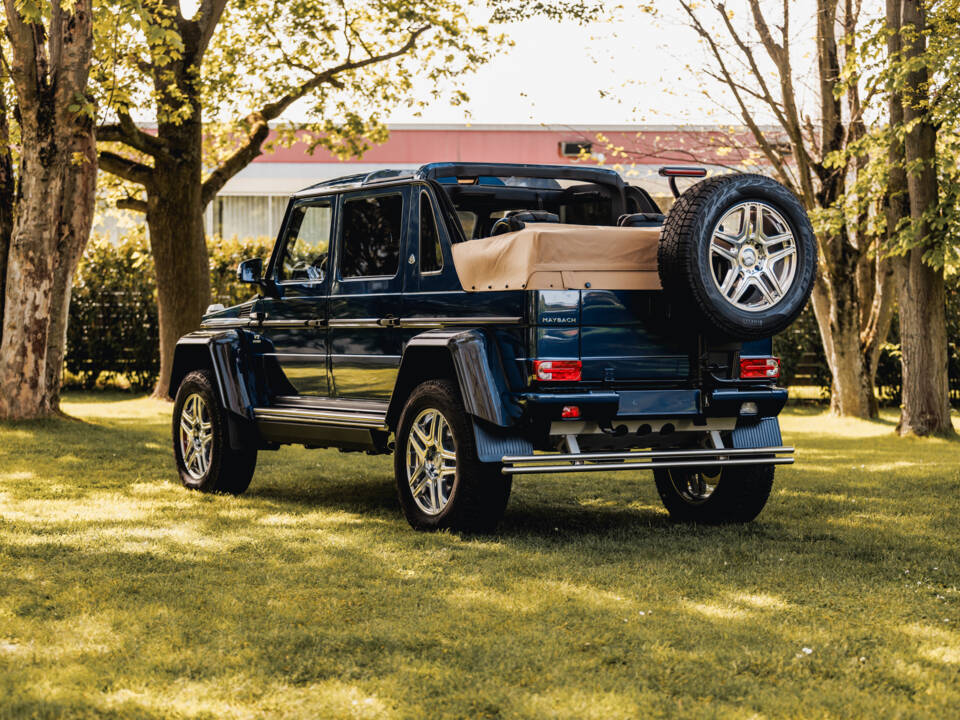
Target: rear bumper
608, 405
645, 460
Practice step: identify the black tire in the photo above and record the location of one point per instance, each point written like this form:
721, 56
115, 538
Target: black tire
740, 493
223, 469
478, 492
688, 267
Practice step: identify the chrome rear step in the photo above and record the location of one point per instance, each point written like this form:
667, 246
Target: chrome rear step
644, 460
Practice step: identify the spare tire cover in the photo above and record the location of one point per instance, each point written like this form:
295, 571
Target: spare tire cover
738, 256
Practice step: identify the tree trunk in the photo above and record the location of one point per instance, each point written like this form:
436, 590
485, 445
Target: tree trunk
54, 204
7, 188
178, 242
923, 333
836, 305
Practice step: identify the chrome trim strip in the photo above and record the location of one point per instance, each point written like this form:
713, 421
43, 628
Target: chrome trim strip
431, 322
649, 465
292, 323
227, 323
374, 421
356, 323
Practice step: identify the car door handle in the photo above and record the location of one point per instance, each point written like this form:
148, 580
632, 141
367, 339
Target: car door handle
388, 321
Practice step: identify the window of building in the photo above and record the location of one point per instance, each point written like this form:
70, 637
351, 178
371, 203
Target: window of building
307, 242
247, 216
431, 256
370, 236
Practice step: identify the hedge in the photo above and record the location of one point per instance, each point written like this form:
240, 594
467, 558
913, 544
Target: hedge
113, 318
113, 308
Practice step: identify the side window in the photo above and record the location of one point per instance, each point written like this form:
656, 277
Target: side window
370, 236
431, 256
307, 242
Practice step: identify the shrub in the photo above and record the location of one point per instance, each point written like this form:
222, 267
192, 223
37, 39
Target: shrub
113, 313
113, 325
225, 255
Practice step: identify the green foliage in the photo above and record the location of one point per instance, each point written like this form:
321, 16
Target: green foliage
113, 313
113, 326
225, 255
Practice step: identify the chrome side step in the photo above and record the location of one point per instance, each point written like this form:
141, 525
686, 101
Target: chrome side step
335, 418
644, 460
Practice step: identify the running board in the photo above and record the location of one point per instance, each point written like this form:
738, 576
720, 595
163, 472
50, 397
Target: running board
333, 418
643, 460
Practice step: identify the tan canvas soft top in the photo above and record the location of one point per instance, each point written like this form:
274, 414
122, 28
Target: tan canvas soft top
542, 256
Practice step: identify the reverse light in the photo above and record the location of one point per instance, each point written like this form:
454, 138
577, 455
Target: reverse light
760, 368
557, 370
570, 412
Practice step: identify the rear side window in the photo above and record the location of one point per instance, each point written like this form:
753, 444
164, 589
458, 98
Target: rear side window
431, 256
370, 236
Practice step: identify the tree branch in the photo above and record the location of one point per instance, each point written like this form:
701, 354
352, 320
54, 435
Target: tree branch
258, 122
127, 132
131, 203
745, 114
126, 168
207, 18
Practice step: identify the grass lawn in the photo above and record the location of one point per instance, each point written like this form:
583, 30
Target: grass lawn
122, 595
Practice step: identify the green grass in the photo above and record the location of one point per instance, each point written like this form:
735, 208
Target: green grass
124, 596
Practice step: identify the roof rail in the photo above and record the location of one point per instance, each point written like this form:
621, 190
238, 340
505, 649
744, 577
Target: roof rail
379, 176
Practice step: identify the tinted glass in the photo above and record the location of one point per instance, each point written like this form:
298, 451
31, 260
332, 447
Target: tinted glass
370, 236
431, 256
307, 242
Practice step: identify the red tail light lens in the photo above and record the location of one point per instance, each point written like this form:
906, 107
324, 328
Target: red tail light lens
570, 412
760, 368
557, 370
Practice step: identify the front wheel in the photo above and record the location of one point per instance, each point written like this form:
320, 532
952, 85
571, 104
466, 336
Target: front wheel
732, 494
205, 460
440, 481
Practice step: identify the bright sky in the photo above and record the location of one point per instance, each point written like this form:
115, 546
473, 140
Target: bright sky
640, 70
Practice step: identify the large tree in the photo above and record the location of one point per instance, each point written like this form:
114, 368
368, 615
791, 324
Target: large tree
191, 99
813, 151
49, 64
916, 217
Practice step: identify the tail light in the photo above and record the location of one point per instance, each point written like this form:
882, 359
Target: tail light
760, 368
557, 370
570, 412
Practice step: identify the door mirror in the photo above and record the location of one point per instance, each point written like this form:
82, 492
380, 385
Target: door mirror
250, 271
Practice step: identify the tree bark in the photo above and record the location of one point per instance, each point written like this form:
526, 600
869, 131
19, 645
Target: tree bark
925, 409
7, 187
54, 203
178, 242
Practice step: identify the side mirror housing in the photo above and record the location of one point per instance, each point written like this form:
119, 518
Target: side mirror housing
250, 271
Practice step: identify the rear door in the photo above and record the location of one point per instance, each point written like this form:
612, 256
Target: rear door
366, 295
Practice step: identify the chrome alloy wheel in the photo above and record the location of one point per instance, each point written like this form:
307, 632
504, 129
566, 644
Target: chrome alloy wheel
196, 436
431, 461
753, 256
696, 486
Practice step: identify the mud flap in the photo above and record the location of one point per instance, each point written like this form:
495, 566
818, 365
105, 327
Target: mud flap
493, 442
765, 433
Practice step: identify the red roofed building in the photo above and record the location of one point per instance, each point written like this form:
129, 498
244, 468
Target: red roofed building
252, 203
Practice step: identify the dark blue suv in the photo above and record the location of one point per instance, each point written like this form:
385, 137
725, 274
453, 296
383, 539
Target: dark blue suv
481, 321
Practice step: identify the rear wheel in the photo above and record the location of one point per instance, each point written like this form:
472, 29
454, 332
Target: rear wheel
205, 460
440, 481
732, 494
